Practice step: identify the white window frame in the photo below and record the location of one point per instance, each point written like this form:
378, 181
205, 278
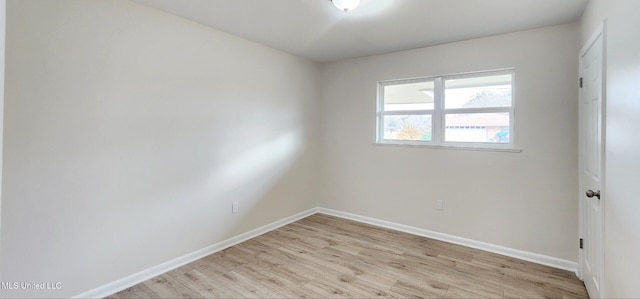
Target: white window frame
439, 112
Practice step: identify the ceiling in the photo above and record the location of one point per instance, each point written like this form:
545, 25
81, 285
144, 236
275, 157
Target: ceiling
316, 30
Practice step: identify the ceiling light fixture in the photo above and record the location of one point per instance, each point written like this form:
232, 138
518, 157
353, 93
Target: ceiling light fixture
346, 5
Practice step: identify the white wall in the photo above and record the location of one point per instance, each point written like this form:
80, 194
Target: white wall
129, 132
522, 200
3, 23
621, 200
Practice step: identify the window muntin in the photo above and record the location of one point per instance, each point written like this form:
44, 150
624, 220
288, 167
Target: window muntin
469, 111
407, 111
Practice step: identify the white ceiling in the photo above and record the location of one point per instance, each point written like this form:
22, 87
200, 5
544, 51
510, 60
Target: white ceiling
315, 29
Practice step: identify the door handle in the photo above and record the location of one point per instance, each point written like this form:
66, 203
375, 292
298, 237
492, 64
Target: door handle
591, 193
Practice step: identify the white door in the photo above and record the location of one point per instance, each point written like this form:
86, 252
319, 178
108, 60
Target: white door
591, 161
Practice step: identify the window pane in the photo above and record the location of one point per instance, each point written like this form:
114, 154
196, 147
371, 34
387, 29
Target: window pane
478, 92
477, 127
407, 127
409, 96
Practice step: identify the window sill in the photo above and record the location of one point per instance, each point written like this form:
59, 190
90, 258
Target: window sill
449, 147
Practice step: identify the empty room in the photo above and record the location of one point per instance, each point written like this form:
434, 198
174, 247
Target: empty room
319, 148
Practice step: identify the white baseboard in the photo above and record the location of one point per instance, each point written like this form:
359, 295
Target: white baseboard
131, 280
515, 253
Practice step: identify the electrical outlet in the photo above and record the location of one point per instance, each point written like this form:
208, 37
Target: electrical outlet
439, 204
235, 207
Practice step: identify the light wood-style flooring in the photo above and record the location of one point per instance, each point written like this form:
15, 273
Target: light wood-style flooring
327, 257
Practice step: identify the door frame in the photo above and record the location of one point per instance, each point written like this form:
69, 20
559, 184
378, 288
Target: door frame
600, 31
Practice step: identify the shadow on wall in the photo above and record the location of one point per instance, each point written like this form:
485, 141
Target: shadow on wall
258, 178
251, 179
234, 172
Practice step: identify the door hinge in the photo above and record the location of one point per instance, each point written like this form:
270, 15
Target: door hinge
580, 82
581, 243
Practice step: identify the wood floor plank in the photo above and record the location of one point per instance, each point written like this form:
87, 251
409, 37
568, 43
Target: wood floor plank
203, 285
456, 292
138, 291
327, 290
323, 256
167, 287
412, 290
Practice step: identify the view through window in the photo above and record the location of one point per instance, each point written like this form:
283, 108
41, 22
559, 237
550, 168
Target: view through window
471, 110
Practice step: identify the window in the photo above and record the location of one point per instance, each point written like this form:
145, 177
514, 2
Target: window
461, 111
